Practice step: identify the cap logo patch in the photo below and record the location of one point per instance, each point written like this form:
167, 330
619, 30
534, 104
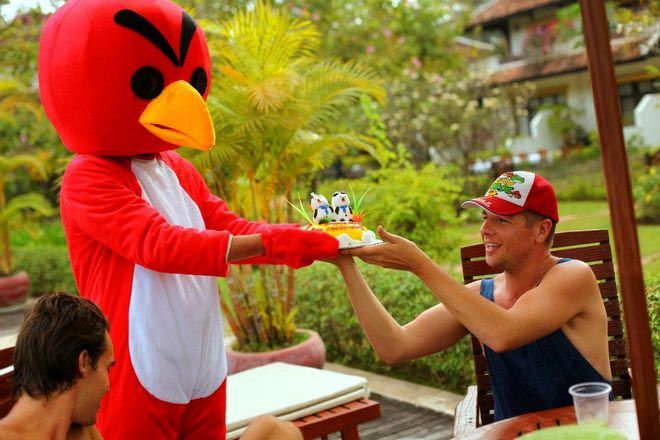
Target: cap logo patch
512, 187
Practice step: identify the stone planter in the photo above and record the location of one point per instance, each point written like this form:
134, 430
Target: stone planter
310, 353
14, 289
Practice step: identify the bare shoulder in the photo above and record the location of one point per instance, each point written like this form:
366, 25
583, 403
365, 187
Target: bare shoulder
573, 278
574, 269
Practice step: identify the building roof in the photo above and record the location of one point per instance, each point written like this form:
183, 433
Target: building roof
623, 51
498, 9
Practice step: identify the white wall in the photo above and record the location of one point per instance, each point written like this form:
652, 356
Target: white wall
647, 119
517, 30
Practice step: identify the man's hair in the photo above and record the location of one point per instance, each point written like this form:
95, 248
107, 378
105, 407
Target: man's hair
53, 334
533, 218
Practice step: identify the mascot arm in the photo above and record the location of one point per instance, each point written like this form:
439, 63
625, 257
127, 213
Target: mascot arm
99, 200
284, 243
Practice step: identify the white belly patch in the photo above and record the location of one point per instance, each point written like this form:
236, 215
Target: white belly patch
174, 324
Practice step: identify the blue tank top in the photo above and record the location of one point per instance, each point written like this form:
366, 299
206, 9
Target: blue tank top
536, 376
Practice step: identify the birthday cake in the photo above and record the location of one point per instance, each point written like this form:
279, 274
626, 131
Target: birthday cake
340, 220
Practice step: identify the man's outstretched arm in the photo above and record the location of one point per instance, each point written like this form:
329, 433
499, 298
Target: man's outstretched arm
432, 331
563, 294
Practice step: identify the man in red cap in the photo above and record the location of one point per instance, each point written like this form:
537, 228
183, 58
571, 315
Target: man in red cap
541, 321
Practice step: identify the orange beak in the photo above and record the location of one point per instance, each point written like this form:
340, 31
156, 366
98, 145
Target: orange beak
180, 116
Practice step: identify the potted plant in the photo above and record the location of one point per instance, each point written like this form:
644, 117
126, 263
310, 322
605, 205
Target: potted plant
278, 111
18, 213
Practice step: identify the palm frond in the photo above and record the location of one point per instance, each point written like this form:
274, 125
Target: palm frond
33, 164
25, 206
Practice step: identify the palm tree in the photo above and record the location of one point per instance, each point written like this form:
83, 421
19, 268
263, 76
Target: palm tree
19, 212
279, 112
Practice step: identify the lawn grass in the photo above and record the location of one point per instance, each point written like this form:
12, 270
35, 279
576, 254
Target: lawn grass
589, 215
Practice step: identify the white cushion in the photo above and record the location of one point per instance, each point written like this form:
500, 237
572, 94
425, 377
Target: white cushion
288, 392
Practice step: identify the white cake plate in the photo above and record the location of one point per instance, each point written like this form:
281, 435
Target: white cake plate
359, 245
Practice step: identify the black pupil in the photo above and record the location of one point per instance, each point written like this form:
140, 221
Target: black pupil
147, 82
199, 80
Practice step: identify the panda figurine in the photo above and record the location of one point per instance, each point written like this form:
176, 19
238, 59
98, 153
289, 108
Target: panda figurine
341, 207
322, 211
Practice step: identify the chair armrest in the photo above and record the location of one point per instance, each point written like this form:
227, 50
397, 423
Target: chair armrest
465, 414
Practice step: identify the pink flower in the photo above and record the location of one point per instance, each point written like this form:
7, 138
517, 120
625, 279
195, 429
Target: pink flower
387, 33
370, 49
416, 62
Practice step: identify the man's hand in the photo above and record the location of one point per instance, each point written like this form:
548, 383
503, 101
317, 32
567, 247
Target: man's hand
395, 253
341, 261
297, 247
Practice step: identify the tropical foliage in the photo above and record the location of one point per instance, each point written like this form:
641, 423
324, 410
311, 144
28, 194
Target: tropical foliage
280, 112
646, 189
21, 211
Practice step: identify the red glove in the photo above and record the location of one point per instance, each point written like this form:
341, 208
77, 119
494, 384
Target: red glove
297, 247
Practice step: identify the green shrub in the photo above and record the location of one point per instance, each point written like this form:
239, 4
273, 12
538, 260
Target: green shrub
584, 154
646, 188
653, 303
579, 187
323, 305
417, 204
46, 233
48, 267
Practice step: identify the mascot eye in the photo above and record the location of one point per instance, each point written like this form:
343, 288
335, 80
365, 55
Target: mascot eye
199, 80
147, 82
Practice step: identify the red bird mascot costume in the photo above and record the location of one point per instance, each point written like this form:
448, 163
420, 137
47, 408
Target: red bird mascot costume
124, 84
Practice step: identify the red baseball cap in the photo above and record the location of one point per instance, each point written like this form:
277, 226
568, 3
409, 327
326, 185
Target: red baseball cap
517, 191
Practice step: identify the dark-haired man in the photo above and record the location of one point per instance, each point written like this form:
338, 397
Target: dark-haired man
61, 362
541, 321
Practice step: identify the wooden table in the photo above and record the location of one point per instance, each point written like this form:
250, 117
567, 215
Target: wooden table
623, 418
343, 418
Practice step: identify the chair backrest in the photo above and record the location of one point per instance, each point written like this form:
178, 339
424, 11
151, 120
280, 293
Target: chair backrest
6, 376
590, 246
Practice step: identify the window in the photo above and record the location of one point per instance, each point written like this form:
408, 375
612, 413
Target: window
535, 104
631, 93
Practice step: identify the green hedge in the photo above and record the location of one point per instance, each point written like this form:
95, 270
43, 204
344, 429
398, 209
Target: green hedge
48, 267
646, 189
652, 284
323, 305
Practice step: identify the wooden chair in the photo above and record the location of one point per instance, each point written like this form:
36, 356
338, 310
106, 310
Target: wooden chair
590, 246
6, 376
343, 418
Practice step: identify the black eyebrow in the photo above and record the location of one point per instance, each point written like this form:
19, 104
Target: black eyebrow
188, 28
137, 23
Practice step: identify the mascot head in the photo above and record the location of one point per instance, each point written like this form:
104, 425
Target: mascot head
125, 77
